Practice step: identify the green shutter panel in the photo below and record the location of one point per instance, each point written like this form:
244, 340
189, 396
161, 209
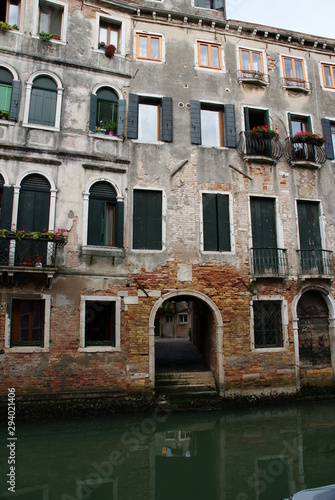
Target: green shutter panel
121, 118
15, 101
210, 222
326, 130
230, 127
167, 119
267, 117
263, 221
119, 224
309, 226
5, 97
309, 124
96, 218
132, 132
246, 119
218, 4
195, 122
223, 222
93, 112
154, 214
6, 208
139, 220
200, 3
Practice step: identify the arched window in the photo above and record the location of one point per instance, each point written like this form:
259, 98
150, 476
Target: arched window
43, 101
107, 111
10, 93
105, 216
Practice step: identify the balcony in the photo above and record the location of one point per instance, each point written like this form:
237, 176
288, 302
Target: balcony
253, 77
296, 84
304, 154
316, 263
268, 262
259, 148
29, 255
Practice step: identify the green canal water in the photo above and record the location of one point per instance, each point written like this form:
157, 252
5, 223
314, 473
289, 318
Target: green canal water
258, 454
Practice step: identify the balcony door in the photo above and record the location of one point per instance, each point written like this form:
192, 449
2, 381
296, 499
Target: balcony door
258, 146
264, 235
33, 215
310, 237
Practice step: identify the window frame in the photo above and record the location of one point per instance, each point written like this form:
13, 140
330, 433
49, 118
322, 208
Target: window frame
231, 224
163, 223
164, 119
57, 4
181, 316
209, 46
117, 22
9, 324
149, 36
284, 323
250, 72
8, 4
229, 125
290, 82
332, 76
97, 299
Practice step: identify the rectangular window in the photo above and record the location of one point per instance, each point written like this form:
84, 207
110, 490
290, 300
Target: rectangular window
212, 124
212, 133
51, 18
27, 323
294, 72
109, 34
182, 318
99, 323
10, 11
5, 97
149, 47
328, 75
216, 223
209, 55
264, 236
268, 329
147, 219
251, 63
311, 255
149, 121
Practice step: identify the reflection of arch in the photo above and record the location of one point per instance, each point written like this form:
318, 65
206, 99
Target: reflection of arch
330, 302
219, 332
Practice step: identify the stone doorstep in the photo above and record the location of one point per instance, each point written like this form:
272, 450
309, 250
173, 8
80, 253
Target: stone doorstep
182, 375
186, 389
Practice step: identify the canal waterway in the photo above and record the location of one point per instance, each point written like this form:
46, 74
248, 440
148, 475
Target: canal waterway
248, 454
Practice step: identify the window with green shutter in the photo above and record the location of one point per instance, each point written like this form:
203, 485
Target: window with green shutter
216, 222
6, 81
213, 125
42, 109
147, 219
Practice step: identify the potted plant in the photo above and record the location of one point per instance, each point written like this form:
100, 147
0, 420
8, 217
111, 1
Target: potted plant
5, 26
38, 261
110, 50
101, 45
44, 36
263, 131
4, 115
100, 129
308, 138
110, 127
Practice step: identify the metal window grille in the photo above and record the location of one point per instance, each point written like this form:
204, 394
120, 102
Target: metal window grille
268, 324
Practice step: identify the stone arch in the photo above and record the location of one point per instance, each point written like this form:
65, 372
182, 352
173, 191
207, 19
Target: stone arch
219, 332
329, 302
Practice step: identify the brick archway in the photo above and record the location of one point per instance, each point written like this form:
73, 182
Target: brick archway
219, 375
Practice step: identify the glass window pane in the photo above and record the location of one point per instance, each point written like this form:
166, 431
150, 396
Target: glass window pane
333, 74
13, 17
246, 60
215, 57
204, 55
256, 62
143, 46
44, 21
114, 37
154, 48
5, 96
147, 122
288, 68
298, 126
210, 128
333, 135
103, 35
299, 74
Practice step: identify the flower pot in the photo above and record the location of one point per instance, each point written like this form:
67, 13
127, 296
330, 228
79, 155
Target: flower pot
102, 131
110, 132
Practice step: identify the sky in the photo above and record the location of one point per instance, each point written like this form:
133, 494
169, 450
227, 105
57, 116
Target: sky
314, 17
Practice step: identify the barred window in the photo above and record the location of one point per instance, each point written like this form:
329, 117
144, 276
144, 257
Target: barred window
268, 329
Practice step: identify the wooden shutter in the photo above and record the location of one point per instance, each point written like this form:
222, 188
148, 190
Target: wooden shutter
15, 101
210, 222
223, 222
132, 132
167, 119
93, 112
326, 130
121, 118
200, 3
290, 123
147, 220
309, 124
230, 127
246, 119
5, 97
6, 208
263, 222
34, 203
119, 224
195, 122
96, 222
309, 226
42, 109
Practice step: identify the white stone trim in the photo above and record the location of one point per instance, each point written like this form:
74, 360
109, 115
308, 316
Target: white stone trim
284, 318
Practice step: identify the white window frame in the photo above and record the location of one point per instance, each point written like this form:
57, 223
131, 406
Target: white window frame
180, 321
121, 50
29, 86
284, 319
8, 325
164, 208
98, 298
64, 20
231, 222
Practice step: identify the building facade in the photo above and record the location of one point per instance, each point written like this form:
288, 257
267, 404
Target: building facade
184, 164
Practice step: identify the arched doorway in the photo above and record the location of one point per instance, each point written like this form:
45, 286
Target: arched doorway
195, 319
313, 331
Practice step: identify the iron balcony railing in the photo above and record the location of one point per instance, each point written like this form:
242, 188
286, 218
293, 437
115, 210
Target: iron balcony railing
28, 252
304, 152
255, 77
296, 84
259, 145
320, 262
269, 261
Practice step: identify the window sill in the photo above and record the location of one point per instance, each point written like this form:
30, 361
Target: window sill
155, 143
212, 147
99, 349
146, 250
96, 135
91, 250
52, 40
208, 68
255, 82
41, 127
306, 164
6, 122
268, 349
26, 350
296, 88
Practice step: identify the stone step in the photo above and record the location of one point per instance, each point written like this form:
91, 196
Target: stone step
186, 382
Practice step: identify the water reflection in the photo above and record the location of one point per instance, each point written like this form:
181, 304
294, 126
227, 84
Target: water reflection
259, 454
